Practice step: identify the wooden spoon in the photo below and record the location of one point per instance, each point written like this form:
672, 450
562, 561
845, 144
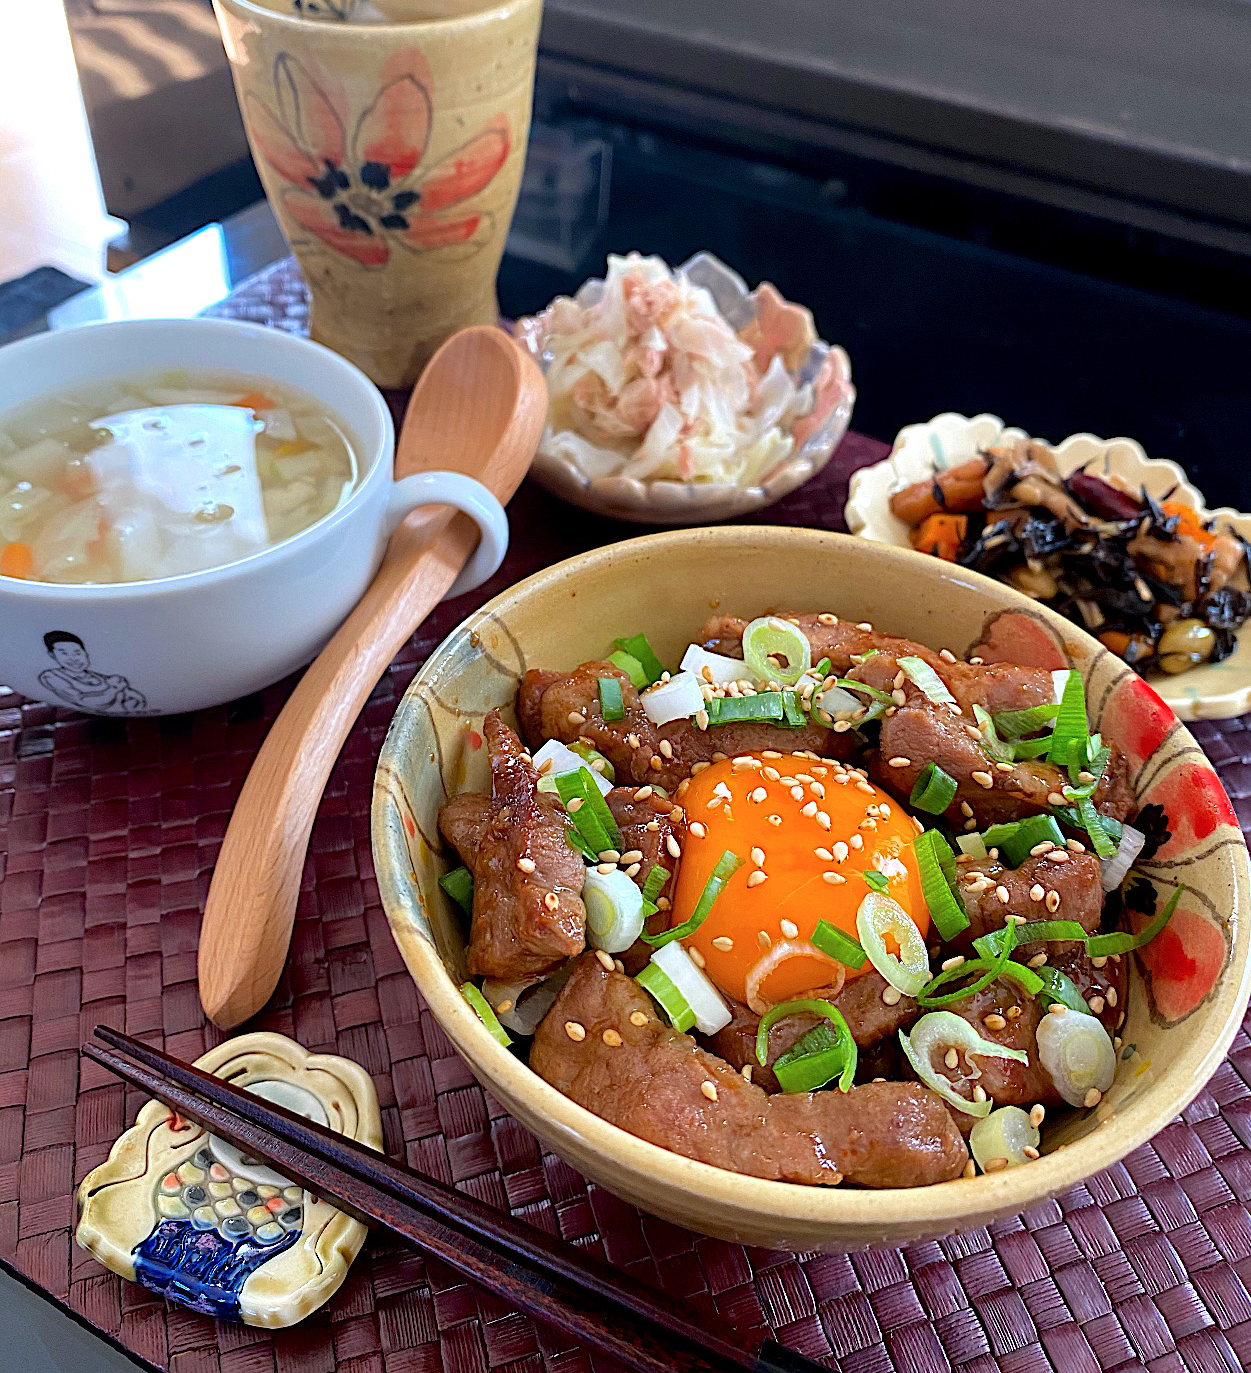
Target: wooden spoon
479, 408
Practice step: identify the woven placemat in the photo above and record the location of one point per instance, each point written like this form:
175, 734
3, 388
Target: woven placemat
108, 835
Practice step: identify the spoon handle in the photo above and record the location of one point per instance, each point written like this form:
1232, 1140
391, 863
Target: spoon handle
251, 904
250, 910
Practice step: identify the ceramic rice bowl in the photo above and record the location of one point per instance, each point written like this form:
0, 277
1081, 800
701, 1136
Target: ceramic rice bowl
1188, 989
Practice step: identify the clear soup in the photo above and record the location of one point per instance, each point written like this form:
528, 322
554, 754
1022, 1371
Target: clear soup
164, 473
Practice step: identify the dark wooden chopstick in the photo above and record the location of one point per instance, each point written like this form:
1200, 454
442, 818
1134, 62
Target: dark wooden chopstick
532, 1271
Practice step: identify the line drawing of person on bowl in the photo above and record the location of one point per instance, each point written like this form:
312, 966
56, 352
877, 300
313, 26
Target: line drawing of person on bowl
75, 681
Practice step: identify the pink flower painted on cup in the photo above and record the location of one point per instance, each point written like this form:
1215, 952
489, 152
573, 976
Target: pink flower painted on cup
368, 194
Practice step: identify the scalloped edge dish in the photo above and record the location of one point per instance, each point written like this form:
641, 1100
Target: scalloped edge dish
1216, 691
681, 503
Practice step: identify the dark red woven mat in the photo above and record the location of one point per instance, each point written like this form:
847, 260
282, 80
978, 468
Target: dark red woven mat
108, 834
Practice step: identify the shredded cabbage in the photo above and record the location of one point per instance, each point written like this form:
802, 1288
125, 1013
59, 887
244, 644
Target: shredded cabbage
649, 380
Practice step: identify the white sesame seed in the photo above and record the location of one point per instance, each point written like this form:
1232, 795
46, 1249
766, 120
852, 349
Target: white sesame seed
973, 732
575, 718
1041, 848
817, 790
865, 625
760, 794
605, 959
699, 767
789, 929
1037, 892
1003, 894
764, 939
1055, 1008
1099, 962
504, 1006
835, 879
984, 779
1058, 856
610, 856
774, 819
994, 1021
551, 901
633, 870
899, 762
757, 878
884, 810
955, 961
891, 996
1092, 1098
827, 619
1053, 901
709, 1089
758, 857
746, 1071
809, 810
701, 719
672, 847
605, 868
823, 820
723, 942
856, 841
1096, 1004
951, 1058
698, 830
1055, 799
994, 1165
575, 1031
526, 865
966, 810
1038, 960
1003, 767
824, 855
947, 655
970, 1170
1036, 1114
575, 805
696, 957
1030, 1152
772, 774
655, 762
899, 697
797, 793
1112, 997
979, 1092
1075, 846
770, 753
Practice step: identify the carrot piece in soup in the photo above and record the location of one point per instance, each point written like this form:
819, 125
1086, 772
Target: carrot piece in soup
255, 400
16, 560
942, 535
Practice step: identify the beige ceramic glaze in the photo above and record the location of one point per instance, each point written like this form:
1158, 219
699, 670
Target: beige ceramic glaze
392, 156
1216, 691
1186, 999
123, 1205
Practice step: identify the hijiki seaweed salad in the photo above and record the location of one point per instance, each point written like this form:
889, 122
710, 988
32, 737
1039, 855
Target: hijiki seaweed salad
821, 905
1160, 587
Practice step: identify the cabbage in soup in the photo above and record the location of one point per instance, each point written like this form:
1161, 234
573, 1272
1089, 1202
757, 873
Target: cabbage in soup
161, 474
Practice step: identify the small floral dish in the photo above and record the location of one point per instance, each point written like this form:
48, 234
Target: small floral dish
806, 385
1212, 691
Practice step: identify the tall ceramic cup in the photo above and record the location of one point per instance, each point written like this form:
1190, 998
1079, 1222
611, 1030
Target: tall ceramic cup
392, 155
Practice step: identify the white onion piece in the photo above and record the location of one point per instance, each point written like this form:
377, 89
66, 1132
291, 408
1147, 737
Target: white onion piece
1076, 1051
677, 699
564, 760
614, 910
780, 952
1006, 1133
711, 1012
1059, 679
721, 670
946, 1030
878, 915
528, 1002
837, 700
973, 845
1115, 869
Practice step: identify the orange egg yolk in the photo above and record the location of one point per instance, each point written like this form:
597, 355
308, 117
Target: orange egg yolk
807, 830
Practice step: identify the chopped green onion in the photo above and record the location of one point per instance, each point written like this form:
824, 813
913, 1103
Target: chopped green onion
813, 1060
1070, 720
638, 647
1040, 932
655, 980
1016, 724
923, 676
614, 910
933, 791
1025, 837
937, 866
459, 886
875, 881
972, 845
485, 1014
727, 865
907, 966
734, 710
1059, 988
883, 698
990, 968
992, 745
832, 941
792, 712
1103, 945
1029, 748
808, 1006
771, 638
611, 701
655, 881
632, 668
576, 841
1067, 815
1026, 978
592, 756
592, 819
821, 669
944, 1028
1092, 823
